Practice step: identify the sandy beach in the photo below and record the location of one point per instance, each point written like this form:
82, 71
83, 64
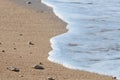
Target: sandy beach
25, 31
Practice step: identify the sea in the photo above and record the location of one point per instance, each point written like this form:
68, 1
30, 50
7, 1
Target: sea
92, 42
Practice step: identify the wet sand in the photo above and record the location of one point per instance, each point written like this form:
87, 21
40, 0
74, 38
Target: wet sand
22, 24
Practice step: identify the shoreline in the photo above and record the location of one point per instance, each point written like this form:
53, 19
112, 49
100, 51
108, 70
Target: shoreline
38, 27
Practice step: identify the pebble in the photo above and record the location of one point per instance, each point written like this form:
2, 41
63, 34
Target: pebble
28, 2
38, 67
21, 76
30, 43
50, 78
115, 78
14, 48
11, 68
3, 50
21, 34
41, 63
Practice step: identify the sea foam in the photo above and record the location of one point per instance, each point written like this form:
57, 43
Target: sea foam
92, 42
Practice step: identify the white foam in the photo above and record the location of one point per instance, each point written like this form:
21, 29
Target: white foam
93, 40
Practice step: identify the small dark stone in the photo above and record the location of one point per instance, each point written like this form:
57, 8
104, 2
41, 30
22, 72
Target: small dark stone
21, 34
0, 43
3, 50
38, 67
28, 2
41, 63
14, 48
115, 78
11, 68
30, 43
21, 76
50, 78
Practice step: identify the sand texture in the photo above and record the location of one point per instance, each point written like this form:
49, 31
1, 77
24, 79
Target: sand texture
24, 42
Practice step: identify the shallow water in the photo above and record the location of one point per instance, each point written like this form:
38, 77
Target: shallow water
93, 40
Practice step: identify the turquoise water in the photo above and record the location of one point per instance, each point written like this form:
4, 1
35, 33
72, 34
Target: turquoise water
92, 42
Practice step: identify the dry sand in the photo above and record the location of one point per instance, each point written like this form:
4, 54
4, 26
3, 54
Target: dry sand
21, 24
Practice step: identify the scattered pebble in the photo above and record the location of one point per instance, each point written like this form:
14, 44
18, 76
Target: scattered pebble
14, 48
21, 34
51, 78
21, 76
115, 78
30, 43
11, 68
38, 67
41, 63
3, 50
28, 2
0, 43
